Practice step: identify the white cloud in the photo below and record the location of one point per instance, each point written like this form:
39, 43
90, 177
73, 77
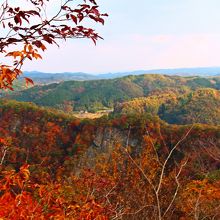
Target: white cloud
163, 38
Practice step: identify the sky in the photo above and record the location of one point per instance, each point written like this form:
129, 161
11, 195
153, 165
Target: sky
142, 35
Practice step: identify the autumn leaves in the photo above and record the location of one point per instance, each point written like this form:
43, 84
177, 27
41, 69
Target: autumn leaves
30, 30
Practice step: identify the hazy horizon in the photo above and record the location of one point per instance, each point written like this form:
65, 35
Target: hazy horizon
135, 70
144, 35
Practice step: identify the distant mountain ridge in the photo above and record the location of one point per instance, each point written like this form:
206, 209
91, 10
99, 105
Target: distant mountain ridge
197, 71
43, 77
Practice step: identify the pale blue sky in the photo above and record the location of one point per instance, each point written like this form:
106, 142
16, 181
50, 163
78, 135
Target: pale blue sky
143, 34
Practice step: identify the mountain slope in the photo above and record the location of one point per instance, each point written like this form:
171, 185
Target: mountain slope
73, 162
201, 106
99, 94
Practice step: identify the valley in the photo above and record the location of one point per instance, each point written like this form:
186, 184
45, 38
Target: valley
154, 94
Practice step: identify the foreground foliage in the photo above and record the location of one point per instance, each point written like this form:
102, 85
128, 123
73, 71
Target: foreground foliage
146, 170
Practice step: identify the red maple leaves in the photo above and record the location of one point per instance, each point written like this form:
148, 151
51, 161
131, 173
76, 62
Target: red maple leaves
30, 30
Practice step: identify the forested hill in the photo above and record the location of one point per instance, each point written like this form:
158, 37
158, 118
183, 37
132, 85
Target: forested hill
100, 94
199, 106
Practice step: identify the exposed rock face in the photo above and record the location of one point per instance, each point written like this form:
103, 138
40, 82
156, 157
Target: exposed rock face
15, 125
105, 140
44, 133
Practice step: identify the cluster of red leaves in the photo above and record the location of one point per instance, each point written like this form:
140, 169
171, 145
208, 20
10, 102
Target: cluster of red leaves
22, 199
32, 29
15, 201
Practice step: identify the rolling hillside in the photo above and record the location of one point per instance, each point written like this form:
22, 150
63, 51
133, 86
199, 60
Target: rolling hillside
100, 94
201, 106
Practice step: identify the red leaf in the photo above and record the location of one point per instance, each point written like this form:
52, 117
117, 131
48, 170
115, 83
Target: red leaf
17, 19
28, 81
74, 18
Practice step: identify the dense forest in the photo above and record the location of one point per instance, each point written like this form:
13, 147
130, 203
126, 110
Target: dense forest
100, 94
199, 106
127, 165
